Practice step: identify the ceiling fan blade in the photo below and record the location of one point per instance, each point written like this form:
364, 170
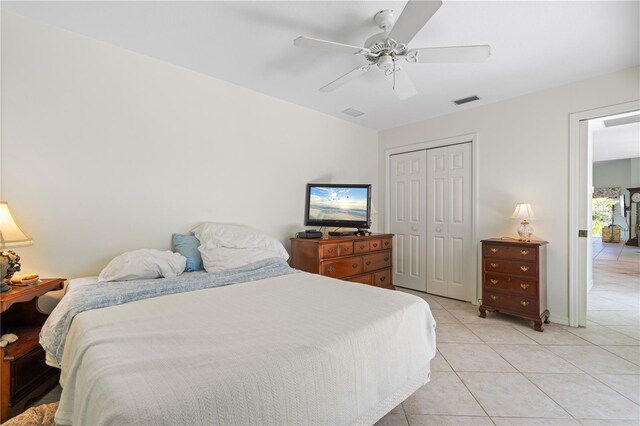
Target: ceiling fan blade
357, 72
414, 16
401, 83
324, 44
453, 54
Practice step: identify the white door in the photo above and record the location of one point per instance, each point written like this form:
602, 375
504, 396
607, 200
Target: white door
408, 218
449, 248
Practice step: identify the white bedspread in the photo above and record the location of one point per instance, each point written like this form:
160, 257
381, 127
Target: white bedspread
296, 349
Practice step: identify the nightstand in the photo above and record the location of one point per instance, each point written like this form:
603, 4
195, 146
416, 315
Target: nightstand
24, 374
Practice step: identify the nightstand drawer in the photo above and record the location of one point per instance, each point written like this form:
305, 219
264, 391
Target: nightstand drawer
518, 304
510, 284
505, 252
27, 369
512, 267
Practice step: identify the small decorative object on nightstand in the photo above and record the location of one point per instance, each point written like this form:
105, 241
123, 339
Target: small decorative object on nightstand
514, 279
11, 236
24, 374
523, 211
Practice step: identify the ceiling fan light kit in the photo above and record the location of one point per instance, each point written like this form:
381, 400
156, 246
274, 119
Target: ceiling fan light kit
386, 49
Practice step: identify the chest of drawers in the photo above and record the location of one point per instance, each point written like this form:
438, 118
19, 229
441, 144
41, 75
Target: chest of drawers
361, 259
514, 279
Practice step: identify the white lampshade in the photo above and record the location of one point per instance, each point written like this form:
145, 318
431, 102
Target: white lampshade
10, 233
523, 211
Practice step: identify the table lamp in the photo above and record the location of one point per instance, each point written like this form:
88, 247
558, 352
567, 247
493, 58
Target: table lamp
11, 236
523, 211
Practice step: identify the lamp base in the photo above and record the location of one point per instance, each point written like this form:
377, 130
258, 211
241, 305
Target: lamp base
9, 264
525, 231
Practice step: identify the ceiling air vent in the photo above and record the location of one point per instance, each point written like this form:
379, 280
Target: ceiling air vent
353, 112
622, 120
466, 100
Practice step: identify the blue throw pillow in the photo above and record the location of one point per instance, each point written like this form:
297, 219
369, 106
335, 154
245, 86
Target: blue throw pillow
187, 245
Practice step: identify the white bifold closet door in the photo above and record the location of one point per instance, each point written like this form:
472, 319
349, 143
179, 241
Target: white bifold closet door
407, 185
449, 247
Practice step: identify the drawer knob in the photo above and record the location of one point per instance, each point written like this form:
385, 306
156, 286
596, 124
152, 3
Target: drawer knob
494, 265
494, 281
375, 245
368, 262
346, 249
524, 302
524, 286
330, 250
383, 278
386, 259
361, 246
524, 252
524, 268
355, 265
331, 269
493, 297
494, 250
386, 243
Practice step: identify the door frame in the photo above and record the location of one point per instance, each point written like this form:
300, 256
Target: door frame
580, 162
436, 143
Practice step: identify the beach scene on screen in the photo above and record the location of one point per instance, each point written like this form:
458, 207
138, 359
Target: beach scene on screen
338, 203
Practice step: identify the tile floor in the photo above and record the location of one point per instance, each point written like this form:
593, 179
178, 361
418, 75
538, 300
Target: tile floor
500, 371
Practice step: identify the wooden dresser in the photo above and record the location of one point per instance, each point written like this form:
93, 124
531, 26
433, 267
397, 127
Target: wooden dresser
514, 279
361, 259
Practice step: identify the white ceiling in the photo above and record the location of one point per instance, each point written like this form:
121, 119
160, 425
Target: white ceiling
535, 45
617, 142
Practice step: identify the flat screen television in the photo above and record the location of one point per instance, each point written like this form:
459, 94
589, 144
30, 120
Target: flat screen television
339, 205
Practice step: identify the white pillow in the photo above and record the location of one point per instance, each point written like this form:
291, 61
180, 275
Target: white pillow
142, 264
225, 245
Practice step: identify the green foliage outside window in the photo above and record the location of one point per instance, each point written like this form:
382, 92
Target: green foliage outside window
602, 214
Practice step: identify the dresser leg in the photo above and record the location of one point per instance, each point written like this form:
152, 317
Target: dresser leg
538, 325
483, 311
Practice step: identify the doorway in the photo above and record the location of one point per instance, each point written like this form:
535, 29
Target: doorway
600, 170
430, 210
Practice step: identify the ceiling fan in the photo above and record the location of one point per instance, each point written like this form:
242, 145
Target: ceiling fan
386, 49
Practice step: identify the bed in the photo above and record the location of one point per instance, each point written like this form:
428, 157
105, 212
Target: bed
290, 348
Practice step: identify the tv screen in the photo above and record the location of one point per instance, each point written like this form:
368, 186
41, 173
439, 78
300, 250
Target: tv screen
341, 205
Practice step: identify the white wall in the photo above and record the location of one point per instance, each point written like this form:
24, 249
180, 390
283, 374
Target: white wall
617, 173
105, 150
523, 148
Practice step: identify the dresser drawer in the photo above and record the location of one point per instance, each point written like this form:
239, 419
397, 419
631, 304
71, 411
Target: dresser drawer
375, 245
496, 251
382, 278
27, 369
511, 267
329, 250
361, 246
362, 279
512, 303
376, 261
340, 268
345, 249
510, 284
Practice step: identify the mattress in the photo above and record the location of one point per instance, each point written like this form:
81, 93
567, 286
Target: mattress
293, 349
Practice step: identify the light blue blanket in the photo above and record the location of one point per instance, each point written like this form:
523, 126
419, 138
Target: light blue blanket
103, 294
